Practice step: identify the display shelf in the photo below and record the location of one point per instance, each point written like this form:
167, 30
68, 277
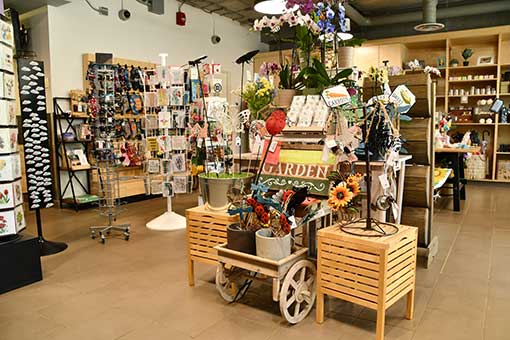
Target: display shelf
76, 168
474, 67
473, 124
473, 95
503, 153
473, 81
505, 94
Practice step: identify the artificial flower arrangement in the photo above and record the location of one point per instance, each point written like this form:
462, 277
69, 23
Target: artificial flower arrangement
345, 194
258, 94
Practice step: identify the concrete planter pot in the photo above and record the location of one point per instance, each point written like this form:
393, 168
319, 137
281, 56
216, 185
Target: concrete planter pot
345, 58
273, 248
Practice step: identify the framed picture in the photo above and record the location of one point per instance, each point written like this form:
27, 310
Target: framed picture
178, 142
485, 60
152, 166
441, 62
180, 184
179, 162
167, 189
166, 166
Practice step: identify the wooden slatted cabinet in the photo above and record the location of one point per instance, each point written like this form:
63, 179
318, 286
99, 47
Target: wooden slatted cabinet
371, 272
205, 230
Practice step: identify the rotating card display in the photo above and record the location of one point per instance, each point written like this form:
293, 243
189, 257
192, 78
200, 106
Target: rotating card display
35, 133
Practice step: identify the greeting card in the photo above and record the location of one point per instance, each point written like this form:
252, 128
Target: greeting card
177, 95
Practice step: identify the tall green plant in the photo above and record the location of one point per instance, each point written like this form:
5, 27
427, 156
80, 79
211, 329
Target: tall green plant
316, 76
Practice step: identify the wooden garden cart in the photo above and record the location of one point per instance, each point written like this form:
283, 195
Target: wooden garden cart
293, 279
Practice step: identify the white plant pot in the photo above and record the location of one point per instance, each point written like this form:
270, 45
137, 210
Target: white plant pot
273, 248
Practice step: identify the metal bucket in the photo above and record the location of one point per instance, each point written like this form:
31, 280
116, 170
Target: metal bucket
273, 248
214, 190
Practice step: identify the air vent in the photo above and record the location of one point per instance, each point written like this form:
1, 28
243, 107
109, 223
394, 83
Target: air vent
429, 27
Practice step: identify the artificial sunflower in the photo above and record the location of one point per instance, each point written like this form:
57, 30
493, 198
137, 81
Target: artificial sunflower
353, 186
339, 197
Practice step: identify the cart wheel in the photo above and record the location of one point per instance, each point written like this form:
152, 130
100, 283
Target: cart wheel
126, 236
103, 238
227, 285
93, 235
297, 295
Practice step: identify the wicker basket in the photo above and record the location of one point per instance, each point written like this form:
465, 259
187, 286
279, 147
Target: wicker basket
476, 167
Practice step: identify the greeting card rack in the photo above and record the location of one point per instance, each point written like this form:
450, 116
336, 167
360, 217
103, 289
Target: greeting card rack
101, 105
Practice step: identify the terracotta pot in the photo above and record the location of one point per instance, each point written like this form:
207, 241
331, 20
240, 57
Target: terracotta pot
273, 248
345, 57
240, 240
284, 97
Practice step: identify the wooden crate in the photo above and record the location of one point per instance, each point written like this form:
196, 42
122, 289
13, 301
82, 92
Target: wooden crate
417, 187
371, 272
205, 230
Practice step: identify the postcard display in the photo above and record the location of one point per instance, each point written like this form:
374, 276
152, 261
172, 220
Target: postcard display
12, 219
166, 115
35, 133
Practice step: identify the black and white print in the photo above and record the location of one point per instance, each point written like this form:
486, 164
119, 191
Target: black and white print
35, 133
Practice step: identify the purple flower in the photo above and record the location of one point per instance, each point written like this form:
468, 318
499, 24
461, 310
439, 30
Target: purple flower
330, 14
352, 91
330, 28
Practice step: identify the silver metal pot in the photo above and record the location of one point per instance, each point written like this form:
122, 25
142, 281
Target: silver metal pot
214, 190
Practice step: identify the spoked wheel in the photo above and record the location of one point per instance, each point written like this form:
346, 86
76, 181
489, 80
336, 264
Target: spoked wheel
228, 283
298, 291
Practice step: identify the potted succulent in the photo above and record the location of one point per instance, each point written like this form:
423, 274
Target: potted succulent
466, 54
454, 62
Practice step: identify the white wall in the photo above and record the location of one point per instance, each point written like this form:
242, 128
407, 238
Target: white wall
76, 29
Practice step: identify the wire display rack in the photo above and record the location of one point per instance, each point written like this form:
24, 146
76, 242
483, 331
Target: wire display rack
102, 102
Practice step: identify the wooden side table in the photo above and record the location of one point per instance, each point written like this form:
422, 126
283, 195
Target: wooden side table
368, 271
205, 230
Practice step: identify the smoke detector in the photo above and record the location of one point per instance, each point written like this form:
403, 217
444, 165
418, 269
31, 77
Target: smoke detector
430, 23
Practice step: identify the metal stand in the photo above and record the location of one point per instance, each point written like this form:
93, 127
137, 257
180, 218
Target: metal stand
109, 202
47, 247
372, 227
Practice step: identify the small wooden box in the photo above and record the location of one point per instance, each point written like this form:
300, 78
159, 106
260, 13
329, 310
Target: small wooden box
205, 230
374, 272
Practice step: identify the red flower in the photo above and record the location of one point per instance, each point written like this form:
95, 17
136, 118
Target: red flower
275, 122
283, 219
251, 201
264, 218
287, 194
286, 228
259, 209
6, 192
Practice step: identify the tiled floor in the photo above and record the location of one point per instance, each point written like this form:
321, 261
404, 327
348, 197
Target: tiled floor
138, 289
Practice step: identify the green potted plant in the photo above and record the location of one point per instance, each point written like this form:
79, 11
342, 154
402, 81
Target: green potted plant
345, 52
316, 78
454, 62
466, 54
287, 88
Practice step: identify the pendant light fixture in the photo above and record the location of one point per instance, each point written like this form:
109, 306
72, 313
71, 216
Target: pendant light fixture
273, 7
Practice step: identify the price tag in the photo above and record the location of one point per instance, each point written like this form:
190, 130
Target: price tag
383, 179
272, 147
331, 143
397, 166
238, 141
293, 224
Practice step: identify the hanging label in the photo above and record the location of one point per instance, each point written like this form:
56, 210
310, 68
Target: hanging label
293, 224
404, 98
331, 143
272, 147
336, 96
238, 141
383, 179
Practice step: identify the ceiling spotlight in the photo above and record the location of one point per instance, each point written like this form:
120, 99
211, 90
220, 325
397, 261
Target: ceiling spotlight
273, 7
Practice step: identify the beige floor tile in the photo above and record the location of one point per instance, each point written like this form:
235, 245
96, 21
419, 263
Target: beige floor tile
27, 326
154, 331
454, 294
468, 264
437, 324
366, 330
502, 238
237, 328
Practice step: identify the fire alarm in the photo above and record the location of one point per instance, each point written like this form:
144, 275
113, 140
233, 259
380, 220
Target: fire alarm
180, 18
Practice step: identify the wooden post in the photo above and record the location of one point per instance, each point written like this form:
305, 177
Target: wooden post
410, 305
381, 303
320, 294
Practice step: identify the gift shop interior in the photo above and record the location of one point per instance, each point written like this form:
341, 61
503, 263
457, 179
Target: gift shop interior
254, 169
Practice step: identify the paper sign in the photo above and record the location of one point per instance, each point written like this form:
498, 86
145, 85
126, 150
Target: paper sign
404, 98
273, 157
336, 96
384, 181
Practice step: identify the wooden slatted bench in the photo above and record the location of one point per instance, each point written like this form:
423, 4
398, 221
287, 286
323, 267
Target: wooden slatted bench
205, 230
368, 271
